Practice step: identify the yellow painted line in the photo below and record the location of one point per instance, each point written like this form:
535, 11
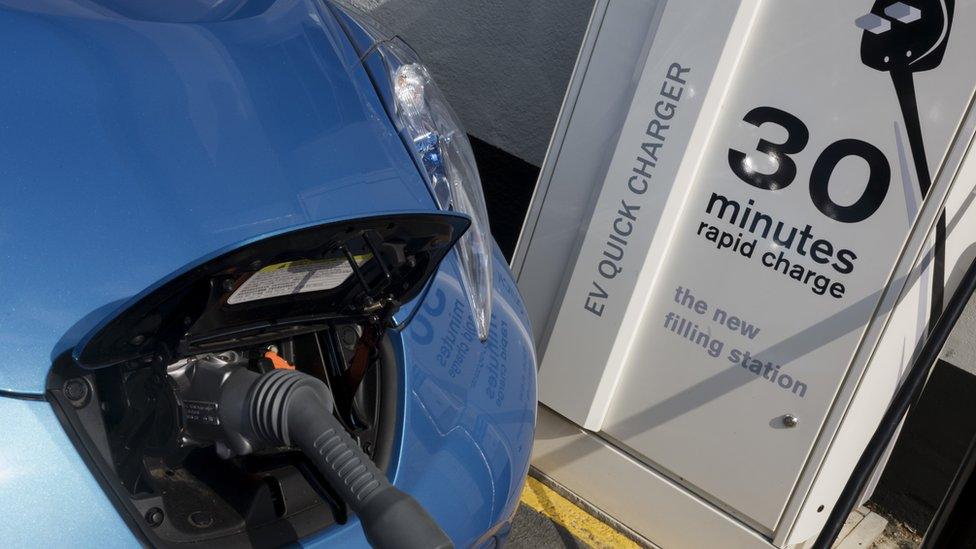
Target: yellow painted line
563, 512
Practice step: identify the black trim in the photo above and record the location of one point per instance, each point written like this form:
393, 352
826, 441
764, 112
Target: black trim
192, 312
22, 396
97, 465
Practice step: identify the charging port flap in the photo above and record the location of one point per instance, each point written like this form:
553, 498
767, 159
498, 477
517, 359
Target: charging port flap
283, 285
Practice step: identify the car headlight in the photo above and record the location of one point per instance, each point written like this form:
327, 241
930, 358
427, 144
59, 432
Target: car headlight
434, 135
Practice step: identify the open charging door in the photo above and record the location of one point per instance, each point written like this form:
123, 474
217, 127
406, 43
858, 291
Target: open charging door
753, 248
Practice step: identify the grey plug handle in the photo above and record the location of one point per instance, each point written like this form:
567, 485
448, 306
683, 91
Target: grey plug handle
295, 409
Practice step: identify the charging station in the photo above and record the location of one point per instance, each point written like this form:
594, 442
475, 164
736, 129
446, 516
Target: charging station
748, 216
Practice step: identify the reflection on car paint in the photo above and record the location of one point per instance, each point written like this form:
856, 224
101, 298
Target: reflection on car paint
482, 420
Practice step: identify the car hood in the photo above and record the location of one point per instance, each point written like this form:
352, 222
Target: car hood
131, 148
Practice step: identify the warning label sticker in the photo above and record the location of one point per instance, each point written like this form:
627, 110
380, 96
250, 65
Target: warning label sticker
295, 277
204, 412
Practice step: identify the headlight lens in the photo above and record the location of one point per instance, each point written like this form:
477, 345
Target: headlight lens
434, 134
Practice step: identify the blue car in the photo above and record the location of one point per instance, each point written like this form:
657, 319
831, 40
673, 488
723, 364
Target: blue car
248, 292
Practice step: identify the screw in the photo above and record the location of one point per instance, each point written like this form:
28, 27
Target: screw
138, 340
348, 336
154, 516
789, 420
77, 391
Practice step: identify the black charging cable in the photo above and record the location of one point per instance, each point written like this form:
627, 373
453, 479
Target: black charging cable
907, 394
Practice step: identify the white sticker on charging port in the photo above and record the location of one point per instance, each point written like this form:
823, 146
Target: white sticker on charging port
295, 277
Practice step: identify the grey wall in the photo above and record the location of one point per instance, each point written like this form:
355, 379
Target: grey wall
960, 349
503, 64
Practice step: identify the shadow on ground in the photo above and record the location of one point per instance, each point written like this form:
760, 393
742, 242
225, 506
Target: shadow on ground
533, 530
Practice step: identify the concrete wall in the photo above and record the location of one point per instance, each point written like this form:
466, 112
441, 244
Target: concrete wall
503, 64
960, 349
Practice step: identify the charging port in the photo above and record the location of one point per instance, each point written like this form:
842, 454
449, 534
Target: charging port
132, 424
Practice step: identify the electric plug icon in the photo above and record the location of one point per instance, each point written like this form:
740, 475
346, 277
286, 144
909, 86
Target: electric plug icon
905, 35
903, 38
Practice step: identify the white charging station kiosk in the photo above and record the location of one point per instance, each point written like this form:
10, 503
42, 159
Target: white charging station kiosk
748, 213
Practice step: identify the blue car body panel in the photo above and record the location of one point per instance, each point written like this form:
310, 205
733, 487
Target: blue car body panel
131, 149
48, 495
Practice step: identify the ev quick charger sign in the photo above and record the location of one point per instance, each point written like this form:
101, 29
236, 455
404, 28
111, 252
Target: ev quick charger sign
825, 141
